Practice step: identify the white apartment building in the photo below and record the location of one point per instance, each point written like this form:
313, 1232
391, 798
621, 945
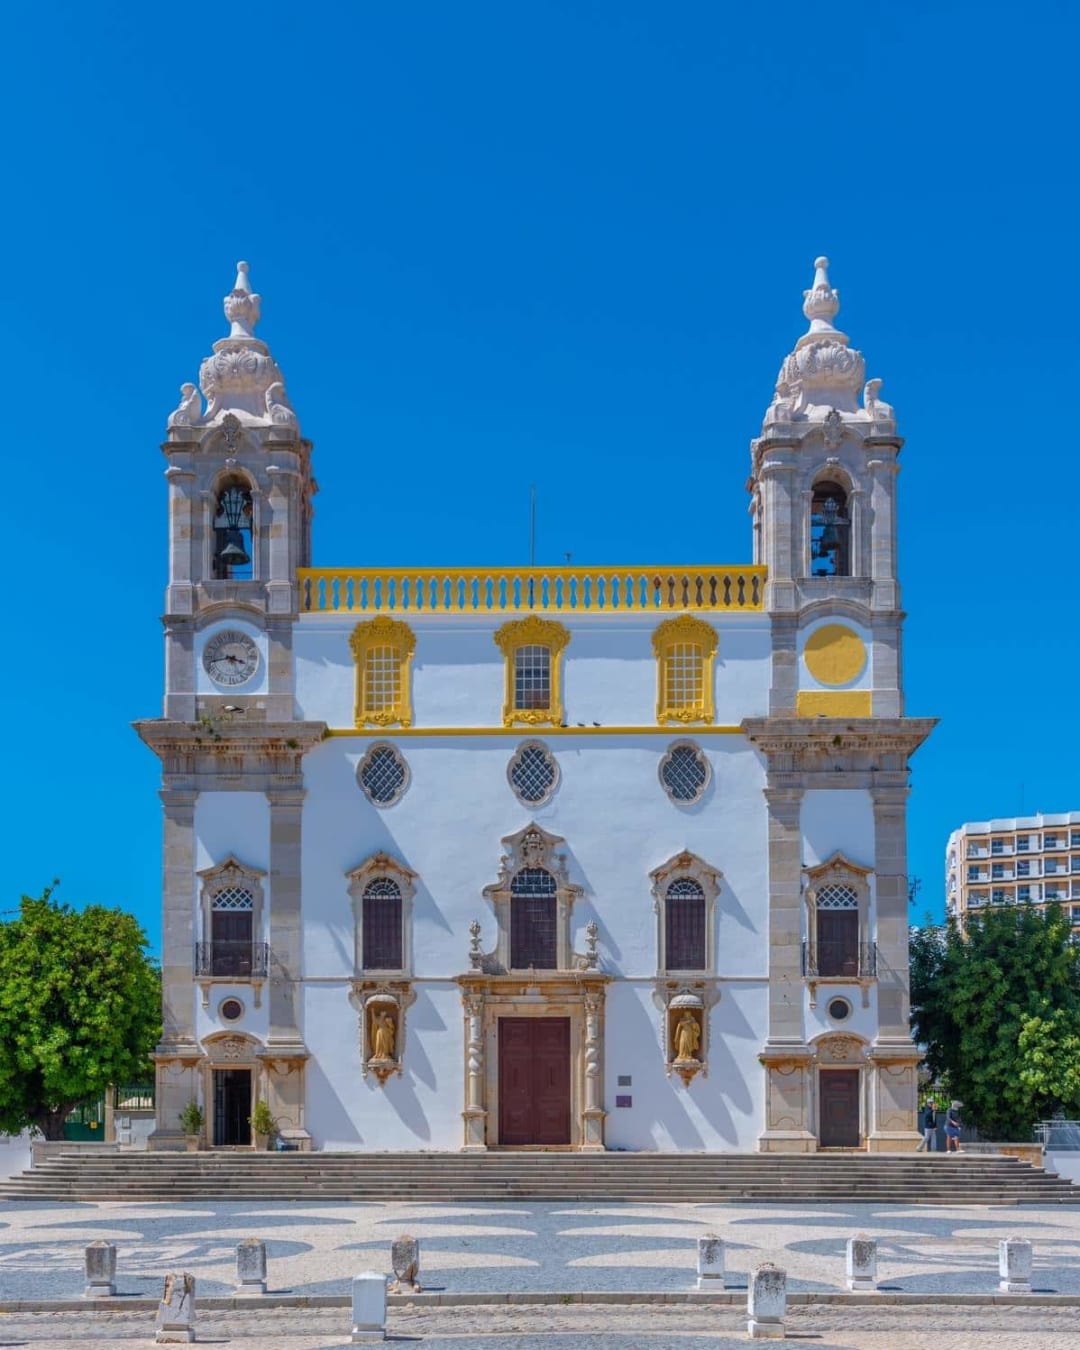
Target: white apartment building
1014, 860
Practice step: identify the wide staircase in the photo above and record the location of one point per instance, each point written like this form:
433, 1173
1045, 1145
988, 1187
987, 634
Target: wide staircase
819, 1178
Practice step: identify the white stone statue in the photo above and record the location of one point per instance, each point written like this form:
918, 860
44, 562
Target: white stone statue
877, 409
278, 408
188, 412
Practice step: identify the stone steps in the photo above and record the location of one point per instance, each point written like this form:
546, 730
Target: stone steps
618, 1177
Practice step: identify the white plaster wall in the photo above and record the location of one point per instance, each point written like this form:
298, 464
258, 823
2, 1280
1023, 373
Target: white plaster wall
721, 1112
418, 1109
458, 673
616, 818
838, 821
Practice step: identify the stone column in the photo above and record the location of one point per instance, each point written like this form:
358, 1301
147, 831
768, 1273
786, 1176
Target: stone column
475, 1113
785, 1054
893, 1057
178, 1048
280, 505
286, 816
592, 1134
883, 469
778, 499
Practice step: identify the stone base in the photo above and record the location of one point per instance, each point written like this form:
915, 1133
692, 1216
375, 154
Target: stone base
368, 1337
174, 1336
858, 1285
787, 1141
758, 1330
712, 1282
100, 1291
1014, 1286
250, 1289
893, 1141
166, 1141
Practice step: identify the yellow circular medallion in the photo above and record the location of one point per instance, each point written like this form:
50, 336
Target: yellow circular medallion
835, 654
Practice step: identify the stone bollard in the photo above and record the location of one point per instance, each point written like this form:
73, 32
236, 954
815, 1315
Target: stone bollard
710, 1262
251, 1267
766, 1302
1014, 1265
368, 1307
405, 1263
862, 1262
176, 1311
100, 1270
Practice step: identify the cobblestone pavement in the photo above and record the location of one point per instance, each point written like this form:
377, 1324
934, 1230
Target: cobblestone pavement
527, 1246
582, 1328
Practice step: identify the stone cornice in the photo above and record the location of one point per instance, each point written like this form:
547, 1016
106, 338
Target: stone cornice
809, 743
255, 756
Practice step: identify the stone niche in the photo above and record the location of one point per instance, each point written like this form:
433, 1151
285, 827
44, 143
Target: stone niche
684, 1013
381, 1022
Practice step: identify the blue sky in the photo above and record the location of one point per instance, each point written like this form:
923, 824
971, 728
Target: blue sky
554, 243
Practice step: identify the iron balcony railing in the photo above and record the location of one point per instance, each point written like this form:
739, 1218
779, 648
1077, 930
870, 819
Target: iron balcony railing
839, 960
559, 590
232, 960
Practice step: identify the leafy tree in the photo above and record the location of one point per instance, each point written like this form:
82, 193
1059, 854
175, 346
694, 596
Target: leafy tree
80, 1008
997, 1007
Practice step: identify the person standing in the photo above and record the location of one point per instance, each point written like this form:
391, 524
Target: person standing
952, 1129
929, 1128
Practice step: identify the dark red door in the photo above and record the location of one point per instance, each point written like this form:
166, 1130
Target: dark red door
534, 1080
838, 1090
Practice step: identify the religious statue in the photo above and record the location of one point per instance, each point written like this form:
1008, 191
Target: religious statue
189, 411
382, 1035
878, 409
278, 408
687, 1037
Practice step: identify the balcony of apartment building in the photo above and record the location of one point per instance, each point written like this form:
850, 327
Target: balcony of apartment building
978, 848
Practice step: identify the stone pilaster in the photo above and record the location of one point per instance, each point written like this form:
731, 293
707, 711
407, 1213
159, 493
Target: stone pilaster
592, 1134
475, 1113
286, 815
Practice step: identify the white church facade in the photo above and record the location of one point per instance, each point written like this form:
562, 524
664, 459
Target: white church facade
586, 858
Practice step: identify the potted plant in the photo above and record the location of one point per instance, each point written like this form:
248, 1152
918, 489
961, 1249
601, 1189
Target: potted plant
191, 1121
262, 1125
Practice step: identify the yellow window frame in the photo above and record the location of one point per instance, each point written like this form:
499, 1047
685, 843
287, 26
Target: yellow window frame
366, 638
533, 632
667, 640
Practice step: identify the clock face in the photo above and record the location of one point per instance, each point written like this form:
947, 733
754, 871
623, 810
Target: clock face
230, 657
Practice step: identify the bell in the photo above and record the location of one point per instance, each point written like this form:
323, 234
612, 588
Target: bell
234, 554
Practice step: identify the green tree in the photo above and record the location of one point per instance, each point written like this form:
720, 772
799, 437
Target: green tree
80, 1008
997, 1008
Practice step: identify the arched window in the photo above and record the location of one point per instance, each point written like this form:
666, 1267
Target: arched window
830, 531
232, 898
233, 541
685, 651
837, 908
381, 925
533, 932
684, 920
382, 649
533, 648
382, 891
685, 890
838, 941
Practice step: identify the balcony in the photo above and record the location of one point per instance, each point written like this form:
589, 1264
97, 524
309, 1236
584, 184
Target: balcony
839, 960
554, 590
232, 960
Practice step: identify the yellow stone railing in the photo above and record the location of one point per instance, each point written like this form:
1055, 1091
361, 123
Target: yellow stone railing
559, 590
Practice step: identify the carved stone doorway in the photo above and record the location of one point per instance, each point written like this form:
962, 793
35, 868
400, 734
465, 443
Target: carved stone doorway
838, 1099
232, 1107
534, 1080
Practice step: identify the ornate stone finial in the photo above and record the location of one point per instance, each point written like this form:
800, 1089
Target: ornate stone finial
242, 305
821, 303
474, 943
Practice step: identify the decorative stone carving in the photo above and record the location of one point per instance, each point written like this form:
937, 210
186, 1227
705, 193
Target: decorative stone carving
530, 848
684, 1026
833, 431
278, 408
839, 1050
381, 1006
876, 408
188, 412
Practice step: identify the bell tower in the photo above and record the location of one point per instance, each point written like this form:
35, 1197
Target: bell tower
240, 491
230, 743
836, 743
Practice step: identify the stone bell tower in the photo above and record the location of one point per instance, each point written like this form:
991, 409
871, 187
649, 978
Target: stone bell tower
231, 749
836, 745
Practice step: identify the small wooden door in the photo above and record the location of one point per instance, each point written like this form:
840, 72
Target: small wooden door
232, 1107
534, 1080
838, 1094
838, 942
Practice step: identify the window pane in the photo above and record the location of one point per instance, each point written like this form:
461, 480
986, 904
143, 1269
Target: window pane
684, 920
533, 920
685, 665
382, 679
381, 920
532, 678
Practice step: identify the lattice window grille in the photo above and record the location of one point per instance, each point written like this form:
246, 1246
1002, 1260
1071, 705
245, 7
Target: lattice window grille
382, 924
532, 774
533, 922
836, 896
234, 898
684, 773
383, 775
685, 914
382, 679
532, 678
685, 676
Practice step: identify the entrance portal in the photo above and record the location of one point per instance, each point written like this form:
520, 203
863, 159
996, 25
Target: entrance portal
534, 1080
838, 1094
232, 1106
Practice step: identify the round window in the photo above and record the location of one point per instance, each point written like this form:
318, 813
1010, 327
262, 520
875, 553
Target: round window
839, 1009
231, 1010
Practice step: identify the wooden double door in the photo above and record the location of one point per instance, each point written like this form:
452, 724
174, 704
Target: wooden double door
534, 1080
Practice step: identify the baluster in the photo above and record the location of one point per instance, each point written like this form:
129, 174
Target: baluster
727, 590
699, 590
742, 589
712, 591
756, 589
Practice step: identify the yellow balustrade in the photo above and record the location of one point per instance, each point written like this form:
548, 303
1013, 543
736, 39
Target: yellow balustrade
554, 590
